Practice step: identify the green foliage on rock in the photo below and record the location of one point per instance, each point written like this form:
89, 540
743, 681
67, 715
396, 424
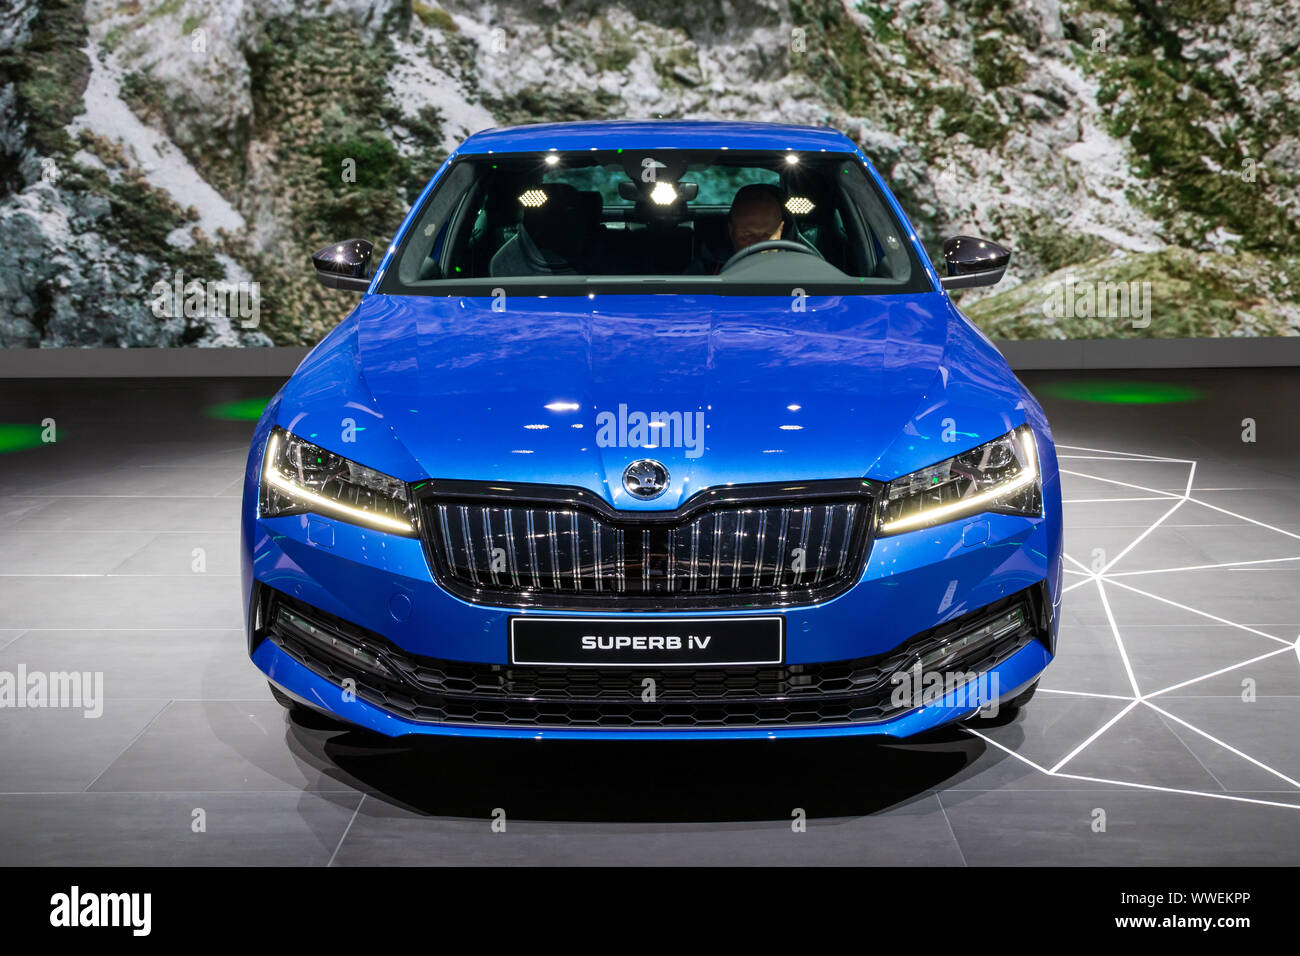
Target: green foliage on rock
49, 76
1196, 130
319, 100
1191, 295
434, 17
547, 106
146, 96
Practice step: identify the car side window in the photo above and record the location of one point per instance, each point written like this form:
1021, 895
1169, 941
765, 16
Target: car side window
428, 233
883, 253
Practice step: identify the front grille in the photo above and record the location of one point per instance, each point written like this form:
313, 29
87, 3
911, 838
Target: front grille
755, 545
430, 690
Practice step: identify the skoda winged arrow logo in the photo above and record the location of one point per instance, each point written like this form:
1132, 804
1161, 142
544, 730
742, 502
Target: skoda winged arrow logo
645, 479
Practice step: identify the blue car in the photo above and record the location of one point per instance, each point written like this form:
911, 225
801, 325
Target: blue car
653, 430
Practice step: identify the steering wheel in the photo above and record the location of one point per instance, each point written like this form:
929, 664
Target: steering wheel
785, 245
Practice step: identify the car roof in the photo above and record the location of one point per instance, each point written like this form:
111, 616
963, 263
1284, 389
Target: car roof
656, 134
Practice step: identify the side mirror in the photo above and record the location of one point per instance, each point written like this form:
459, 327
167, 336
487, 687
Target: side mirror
972, 262
345, 265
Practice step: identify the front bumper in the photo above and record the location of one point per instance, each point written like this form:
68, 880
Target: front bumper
333, 666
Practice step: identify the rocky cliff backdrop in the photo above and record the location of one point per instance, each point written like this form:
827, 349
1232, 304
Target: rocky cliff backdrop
1151, 141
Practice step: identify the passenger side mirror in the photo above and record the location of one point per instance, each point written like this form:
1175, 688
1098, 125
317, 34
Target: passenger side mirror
972, 261
345, 265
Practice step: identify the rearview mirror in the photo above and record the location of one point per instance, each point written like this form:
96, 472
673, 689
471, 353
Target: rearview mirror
629, 191
345, 265
972, 261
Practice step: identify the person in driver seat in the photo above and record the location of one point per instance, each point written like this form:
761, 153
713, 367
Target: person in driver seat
756, 215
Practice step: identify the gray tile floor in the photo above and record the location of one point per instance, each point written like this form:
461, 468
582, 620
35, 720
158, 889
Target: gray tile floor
1144, 719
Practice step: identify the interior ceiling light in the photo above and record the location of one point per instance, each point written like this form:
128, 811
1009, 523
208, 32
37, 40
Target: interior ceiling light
663, 194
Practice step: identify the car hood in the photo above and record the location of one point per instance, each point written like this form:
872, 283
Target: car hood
532, 389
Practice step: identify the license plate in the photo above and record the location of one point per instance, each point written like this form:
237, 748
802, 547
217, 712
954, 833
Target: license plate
625, 642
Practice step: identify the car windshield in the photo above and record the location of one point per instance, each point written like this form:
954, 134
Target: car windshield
719, 221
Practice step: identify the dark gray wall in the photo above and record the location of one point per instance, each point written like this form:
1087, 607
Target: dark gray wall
1075, 354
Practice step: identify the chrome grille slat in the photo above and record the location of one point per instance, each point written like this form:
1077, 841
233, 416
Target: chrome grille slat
487, 544
512, 557
715, 545
804, 521
672, 559
779, 571
532, 550
469, 544
619, 560
446, 533
695, 555
792, 550
573, 551
828, 518
557, 582
737, 556
851, 511
758, 547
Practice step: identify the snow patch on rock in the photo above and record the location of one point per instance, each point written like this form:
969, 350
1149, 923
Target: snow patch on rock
164, 166
416, 83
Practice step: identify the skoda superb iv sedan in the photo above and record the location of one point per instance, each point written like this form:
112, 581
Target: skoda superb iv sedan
653, 430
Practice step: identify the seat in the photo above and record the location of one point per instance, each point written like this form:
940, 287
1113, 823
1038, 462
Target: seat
555, 237
816, 228
497, 224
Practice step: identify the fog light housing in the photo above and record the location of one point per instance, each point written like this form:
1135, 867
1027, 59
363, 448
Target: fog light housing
330, 642
989, 632
935, 675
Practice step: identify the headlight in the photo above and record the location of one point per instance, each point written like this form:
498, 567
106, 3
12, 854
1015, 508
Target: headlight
1001, 475
298, 476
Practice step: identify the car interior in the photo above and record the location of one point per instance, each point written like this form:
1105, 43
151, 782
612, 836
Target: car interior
635, 215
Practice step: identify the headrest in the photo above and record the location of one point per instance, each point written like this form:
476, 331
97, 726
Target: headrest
559, 218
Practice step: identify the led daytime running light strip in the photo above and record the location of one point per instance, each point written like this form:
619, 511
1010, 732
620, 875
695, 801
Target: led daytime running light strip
277, 480
973, 503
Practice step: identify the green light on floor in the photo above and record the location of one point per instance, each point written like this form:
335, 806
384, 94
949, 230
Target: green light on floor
241, 410
17, 437
1123, 393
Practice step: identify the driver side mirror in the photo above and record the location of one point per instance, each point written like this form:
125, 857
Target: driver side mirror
345, 265
972, 261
